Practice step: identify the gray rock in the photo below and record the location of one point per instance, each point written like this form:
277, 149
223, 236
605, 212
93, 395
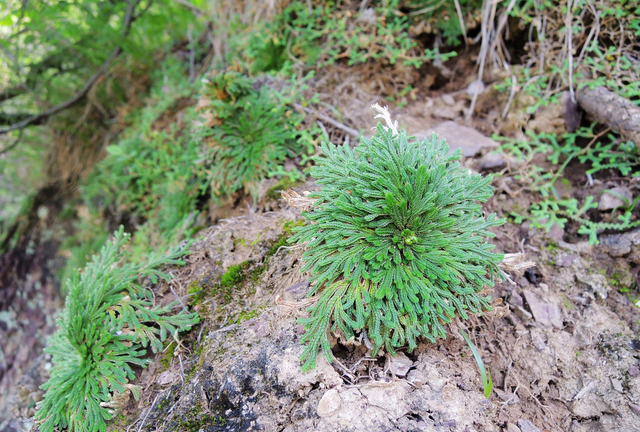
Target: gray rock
556, 233
492, 160
399, 364
522, 313
446, 112
527, 426
417, 377
448, 99
476, 86
612, 200
597, 283
469, 140
619, 245
567, 260
616, 384
516, 299
330, 403
547, 314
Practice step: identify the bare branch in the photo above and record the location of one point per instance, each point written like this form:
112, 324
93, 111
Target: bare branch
618, 113
12, 145
195, 10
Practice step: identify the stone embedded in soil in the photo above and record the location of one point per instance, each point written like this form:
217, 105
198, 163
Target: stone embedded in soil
527, 426
448, 99
399, 364
512, 428
492, 160
417, 377
597, 283
589, 406
634, 371
467, 139
547, 314
567, 260
392, 398
610, 201
330, 403
476, 86
168, 378
619, 245
556, 233
616, 384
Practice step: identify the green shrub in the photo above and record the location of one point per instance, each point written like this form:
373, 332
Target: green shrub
341, 31
108, 321
148, 177
395, 242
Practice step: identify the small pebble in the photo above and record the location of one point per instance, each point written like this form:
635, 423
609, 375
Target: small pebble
448, 99
330, 403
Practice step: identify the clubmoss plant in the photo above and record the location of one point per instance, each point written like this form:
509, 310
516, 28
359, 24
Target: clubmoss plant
251, 130
395, 242
108, 321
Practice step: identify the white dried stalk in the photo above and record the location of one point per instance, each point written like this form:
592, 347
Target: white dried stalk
383, 113
294, 199
514, 262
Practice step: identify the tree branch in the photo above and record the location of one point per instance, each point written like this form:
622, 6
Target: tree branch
612, 110
9, 119
13, 144
41, 117
194, 9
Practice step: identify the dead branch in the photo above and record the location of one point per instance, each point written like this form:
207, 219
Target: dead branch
128, 20
612, 110
321, 116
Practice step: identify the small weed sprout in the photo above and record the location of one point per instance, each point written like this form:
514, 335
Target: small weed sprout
485, 374
395, 242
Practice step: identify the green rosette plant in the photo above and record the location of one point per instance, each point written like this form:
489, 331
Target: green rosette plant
395, 242
108, 321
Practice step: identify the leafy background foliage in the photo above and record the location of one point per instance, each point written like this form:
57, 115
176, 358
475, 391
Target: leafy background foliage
47, 52
395, 242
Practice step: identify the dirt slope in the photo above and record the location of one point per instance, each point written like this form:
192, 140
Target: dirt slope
562, 355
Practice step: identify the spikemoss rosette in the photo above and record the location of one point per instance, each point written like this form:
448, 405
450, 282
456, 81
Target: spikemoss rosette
395, 243
108, 321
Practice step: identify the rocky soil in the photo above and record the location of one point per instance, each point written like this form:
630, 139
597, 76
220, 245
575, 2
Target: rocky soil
562, 344
562, 349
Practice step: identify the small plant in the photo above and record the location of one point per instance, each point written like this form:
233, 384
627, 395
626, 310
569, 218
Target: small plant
108, 321
394, 242
485, 373
252, 131
331, 32
602, 153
